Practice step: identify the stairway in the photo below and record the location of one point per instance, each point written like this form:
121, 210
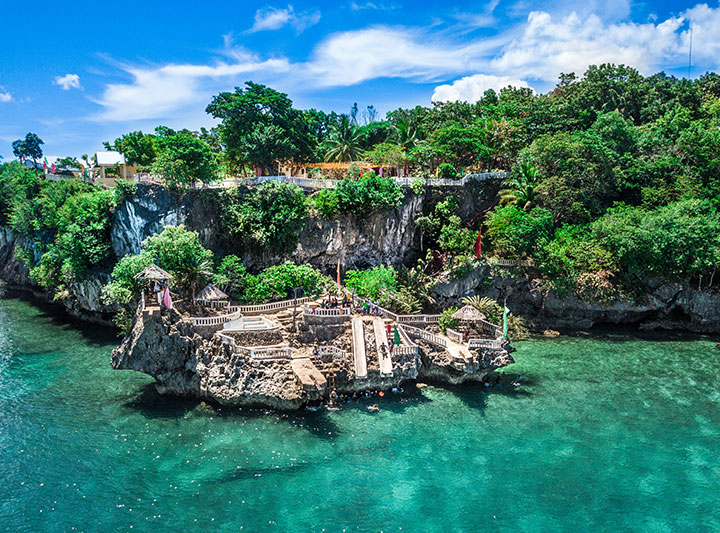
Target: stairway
358, 345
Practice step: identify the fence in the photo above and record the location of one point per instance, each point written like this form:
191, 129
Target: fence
265, 352
319, 311
332, 350
484, 343
425, 335
454, 335
215, 304
226, 339
214, 320
247, 309
512, 262
411, 349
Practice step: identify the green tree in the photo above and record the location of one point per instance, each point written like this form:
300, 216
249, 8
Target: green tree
521, 189
183, 160
29, 147
137, 147
343, 143
372, 283
270, 217
515, 232
259, 127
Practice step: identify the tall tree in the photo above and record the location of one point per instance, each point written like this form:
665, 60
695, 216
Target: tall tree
184, 159
28, 147
344, 142
137, 147
260, 127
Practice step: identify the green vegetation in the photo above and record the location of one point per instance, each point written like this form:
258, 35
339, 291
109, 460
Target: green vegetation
66, 224
270, 216
361, 196
183, 159
372, 283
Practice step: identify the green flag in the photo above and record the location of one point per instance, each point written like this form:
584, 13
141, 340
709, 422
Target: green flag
396, 336
505, 321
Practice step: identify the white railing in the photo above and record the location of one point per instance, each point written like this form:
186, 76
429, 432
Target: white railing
214, 320
226, 339
319, 311
454, 335
215, 304
425, 335
484, 343
411, 349
247, 309
265, 352
332, 350
511, 262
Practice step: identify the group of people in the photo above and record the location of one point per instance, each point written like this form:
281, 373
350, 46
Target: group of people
158, 292
370, 308
334, 397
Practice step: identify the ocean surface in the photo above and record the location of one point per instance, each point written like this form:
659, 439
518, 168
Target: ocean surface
607, 433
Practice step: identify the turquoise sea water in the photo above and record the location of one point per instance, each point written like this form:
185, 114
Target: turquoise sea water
609, 433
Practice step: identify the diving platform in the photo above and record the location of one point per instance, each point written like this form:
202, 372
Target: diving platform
381, 340
358, 345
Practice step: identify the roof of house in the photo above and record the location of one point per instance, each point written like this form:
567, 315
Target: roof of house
109, 158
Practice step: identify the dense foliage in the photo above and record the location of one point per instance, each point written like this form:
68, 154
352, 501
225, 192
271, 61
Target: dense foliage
361, 196
66, 224
183, 159
269, 217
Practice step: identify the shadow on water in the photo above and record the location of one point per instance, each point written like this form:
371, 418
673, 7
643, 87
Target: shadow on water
476, 394
57, 316
153, 405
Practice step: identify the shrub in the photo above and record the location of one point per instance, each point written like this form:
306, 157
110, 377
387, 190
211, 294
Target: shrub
448, 172
446, 320
418, 185
515, 232
278, 282
372, 283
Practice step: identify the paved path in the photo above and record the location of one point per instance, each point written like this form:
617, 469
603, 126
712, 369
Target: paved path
380, 339
358, 344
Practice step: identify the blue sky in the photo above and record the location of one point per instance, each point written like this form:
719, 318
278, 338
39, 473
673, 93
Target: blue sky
78, 75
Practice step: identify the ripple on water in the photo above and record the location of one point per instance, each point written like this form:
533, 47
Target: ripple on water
614, 433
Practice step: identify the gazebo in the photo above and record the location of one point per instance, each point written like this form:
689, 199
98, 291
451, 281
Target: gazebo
211, 292
469, 314
473, 320
153, 273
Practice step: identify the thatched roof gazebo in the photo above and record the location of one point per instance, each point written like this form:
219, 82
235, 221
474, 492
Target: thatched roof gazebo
153, 273
211, 292
469, 314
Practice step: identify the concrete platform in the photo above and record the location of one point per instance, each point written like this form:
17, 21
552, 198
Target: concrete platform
308, 375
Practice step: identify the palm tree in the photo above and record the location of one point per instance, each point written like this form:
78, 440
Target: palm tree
521, 190
194, 270
406, 133
344, 142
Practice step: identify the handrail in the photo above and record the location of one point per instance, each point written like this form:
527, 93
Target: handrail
331, 350
226, 339
213, 320
426, 335
319, 311
484, 343
269, 306
261, 353
454, 335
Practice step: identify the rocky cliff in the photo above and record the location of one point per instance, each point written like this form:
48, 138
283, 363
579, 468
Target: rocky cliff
664, 306
193, 361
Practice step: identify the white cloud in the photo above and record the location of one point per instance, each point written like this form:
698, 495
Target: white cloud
158, 92
373, 6
472, 88
68, 81
536, 51
5, 96
271, 18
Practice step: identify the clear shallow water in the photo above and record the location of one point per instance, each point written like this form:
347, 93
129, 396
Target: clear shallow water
609, 433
